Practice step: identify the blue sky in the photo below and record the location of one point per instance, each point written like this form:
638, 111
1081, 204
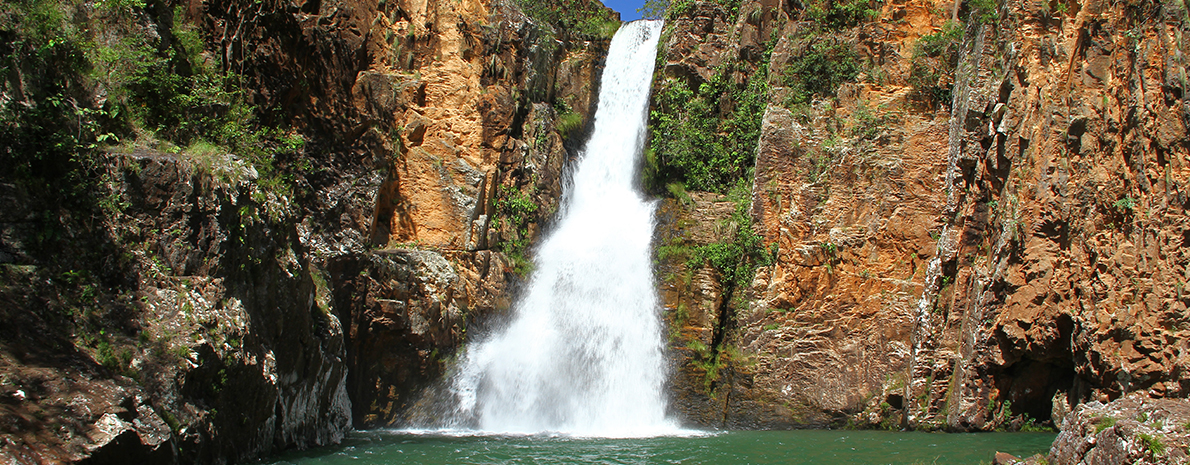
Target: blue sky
627, 8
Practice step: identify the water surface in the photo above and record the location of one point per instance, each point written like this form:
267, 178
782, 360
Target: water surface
738, 447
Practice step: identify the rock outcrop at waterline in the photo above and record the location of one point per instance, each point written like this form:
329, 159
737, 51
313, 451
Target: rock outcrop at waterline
973, 257
202, 307
232, 356
1132, 429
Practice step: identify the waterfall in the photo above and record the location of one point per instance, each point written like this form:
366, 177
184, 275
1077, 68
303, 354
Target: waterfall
583, 353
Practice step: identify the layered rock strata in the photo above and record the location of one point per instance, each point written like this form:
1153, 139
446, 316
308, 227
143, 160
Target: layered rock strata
974, 263
827, 327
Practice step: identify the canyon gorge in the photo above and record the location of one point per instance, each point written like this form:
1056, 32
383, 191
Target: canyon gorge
232, 228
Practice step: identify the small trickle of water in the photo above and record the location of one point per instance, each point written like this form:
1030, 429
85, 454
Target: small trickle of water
583, 352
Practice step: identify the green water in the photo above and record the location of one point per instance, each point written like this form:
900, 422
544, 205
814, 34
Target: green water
741, 447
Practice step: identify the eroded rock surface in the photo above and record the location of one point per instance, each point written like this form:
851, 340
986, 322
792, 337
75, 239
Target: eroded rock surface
252, 312
975, 263
826, 330
408, 312
232, 357
1132, 429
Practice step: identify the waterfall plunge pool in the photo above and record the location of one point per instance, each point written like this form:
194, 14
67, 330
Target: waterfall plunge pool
731, 447
585, 350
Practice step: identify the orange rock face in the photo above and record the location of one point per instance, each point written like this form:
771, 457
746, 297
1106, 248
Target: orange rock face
462, 102
1069, 251
828, 327
968, 264
455, 81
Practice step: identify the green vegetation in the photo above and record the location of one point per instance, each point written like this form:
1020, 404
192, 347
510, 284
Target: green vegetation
1103, 423
1032, 426
698, 348
839, 14
866, 125
673, 250
170, 419
825, 63
44, 143
669, 9
518, 209
568, 120
933, 64
151, 90
705, 138
572, 16
1153, 444
707, 360
737, 257
835, 14
983, 11
1125, 203
678, 191
85, 81
654, 9
681, 315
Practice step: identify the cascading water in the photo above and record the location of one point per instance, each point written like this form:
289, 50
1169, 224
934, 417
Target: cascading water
583, 352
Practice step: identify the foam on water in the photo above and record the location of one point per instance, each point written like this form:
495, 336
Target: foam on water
583, 354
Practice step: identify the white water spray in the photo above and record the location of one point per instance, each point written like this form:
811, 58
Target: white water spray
583, 352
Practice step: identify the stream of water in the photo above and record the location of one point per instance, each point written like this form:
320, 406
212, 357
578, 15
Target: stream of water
583, 352
739, 447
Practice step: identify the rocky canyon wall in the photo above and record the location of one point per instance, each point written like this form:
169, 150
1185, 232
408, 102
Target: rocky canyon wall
976, 225
200, 305
900, 214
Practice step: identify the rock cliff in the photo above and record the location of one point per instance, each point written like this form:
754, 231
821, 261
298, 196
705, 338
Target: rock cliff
230, 228
204, 340
360, 184
971, 213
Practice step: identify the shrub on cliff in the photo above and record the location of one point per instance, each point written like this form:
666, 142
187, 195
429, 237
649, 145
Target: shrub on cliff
654, 9
824, 62
515, 210
704, 138
932, 66
839, 14
46, 124
737, 257
670, 9
584, 17
88, 75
